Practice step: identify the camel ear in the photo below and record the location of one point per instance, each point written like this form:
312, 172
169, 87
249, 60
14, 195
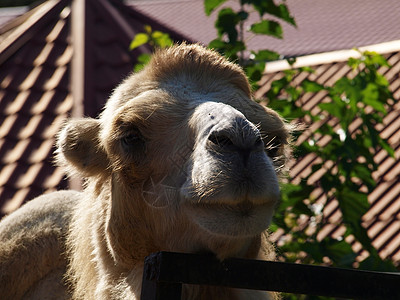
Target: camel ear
79, 149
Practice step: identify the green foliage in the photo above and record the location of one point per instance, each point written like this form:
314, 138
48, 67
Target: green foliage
155, 39
347, 161
280, 11
230, 29
211, 5
268, 27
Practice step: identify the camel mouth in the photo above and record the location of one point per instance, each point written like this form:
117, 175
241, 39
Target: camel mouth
233, 220
244, 209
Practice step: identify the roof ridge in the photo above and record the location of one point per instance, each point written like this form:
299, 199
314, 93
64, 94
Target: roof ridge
116, 17
114, 9
331, 56
146, 18
15, 22
33, 19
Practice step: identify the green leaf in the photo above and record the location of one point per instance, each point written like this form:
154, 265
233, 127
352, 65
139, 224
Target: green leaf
311, 86
314, 250
340, 252
255, 71
362, 172
226, 23
230, 49
268, 6
300, 208
293, 194
371, 97
161, 39
267, 27
265, 55
375, 263
217, 44
385, 145
373, 58
211, 5
382, 81
354, 205
139, 40
243, 15
332, 108
148, 29
143, 59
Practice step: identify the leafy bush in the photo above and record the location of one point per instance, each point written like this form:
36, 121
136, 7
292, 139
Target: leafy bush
346, 158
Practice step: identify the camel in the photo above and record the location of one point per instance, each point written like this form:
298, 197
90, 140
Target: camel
181, 159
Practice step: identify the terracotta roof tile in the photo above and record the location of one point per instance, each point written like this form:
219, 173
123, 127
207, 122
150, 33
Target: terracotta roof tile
59, 30
64, 106
18, 198
6, 173
32, 82
18, 103
52, 181
42, 152
59, 77
43, 103
7, 124
32, 125
14, 154
27, 179
63, 58
14, 80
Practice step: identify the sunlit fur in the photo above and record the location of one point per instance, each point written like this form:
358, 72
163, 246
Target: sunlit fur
177, 161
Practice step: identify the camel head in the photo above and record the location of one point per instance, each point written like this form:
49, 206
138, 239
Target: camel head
183, 147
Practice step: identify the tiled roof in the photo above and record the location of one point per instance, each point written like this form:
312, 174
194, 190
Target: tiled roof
10, 13
383, 218
34, 100
42, 82
322, 25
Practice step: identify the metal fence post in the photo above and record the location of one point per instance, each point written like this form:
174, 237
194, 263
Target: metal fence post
152, 287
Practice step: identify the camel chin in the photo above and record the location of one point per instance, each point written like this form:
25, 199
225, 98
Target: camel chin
231, 221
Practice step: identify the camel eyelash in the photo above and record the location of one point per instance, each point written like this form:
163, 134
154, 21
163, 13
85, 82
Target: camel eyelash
132, 141
272, 146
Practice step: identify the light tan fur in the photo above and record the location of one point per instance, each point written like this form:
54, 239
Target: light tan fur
176, 162
32, 243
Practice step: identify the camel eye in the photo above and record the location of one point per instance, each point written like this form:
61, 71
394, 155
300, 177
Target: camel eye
133, 147
130, 140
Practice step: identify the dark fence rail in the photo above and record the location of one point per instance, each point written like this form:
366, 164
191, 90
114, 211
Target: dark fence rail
165, 272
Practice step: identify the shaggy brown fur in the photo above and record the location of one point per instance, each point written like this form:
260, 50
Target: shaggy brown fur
176, 162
